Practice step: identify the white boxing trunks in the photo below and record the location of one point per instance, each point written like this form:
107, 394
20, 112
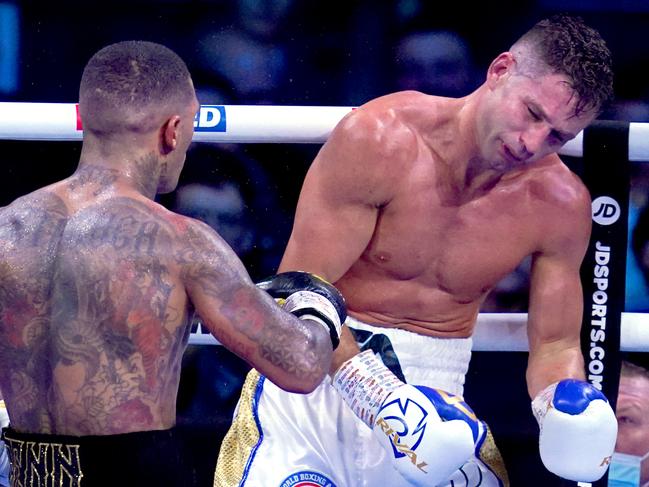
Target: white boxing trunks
281, 439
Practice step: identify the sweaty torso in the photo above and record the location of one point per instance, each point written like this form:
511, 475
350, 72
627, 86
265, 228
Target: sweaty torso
93, 316
437, 250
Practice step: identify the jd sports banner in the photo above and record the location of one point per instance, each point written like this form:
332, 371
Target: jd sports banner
606, 174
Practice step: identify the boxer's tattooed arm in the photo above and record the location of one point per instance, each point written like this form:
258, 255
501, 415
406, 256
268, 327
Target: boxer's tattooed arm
216, 273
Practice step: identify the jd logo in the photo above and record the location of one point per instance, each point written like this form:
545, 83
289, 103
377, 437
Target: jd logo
606, 210
210, 118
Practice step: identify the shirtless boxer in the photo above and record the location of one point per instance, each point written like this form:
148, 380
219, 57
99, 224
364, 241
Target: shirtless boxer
415, 208
100, 284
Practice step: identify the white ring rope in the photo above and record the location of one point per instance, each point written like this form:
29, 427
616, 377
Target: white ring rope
507, 332
238, 124
310, 124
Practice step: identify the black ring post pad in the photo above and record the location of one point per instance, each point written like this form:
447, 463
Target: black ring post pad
603, 271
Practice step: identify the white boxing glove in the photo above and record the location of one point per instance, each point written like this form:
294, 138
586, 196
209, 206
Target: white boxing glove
427, 433
578, 430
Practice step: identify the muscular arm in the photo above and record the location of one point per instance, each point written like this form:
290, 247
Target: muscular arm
295, 354
340, 200
556, 302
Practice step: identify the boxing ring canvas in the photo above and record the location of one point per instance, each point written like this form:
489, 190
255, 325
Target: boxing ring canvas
496, 382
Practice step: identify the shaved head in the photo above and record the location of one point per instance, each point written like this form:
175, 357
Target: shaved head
132, 86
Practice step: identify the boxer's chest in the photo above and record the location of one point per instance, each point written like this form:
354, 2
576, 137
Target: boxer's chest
462, 248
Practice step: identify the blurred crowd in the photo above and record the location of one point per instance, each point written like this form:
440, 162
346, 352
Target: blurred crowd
292, 52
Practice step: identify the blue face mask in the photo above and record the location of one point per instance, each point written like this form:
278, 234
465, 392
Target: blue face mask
624, 470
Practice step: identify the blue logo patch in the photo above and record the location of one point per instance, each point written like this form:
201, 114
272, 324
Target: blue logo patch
210, 118
307, 478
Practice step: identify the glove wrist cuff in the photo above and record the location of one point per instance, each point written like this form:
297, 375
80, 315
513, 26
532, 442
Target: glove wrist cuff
311, 305
543, 401
364, 382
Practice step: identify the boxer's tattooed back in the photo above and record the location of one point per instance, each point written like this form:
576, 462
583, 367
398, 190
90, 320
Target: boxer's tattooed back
92, 319
97, 291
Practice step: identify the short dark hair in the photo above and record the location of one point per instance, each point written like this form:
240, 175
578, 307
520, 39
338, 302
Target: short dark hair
630, 369
566, 45
126, 81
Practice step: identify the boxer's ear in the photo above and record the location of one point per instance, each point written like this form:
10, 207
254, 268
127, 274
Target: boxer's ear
169, 134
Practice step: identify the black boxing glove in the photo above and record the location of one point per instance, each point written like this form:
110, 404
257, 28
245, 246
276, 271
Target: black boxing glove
308, 296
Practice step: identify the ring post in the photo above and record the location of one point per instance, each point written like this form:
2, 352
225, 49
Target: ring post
603, 271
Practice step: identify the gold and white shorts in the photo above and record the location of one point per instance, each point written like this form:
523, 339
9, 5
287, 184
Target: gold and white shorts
281, 439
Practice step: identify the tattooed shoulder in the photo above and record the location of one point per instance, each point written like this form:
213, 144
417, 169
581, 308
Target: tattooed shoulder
36, 220
205, 256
